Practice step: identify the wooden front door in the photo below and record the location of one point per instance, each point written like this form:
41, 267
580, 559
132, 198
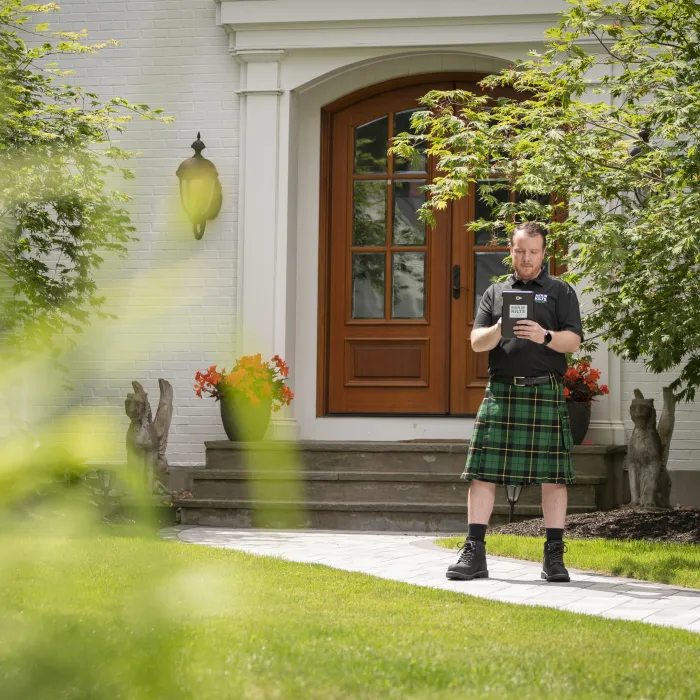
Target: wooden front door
397, 298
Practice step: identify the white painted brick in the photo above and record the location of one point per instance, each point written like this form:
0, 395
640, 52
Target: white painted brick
172, 55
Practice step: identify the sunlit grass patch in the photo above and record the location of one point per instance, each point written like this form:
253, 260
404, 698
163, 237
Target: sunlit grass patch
89, 615
677, 564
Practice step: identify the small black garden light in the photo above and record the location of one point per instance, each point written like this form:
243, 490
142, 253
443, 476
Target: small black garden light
105, 478
512, 496
200, 189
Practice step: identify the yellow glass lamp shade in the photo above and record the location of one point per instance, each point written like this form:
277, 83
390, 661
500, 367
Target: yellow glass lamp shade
200, 189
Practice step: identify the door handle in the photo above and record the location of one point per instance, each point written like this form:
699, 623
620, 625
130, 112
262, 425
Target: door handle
456, 282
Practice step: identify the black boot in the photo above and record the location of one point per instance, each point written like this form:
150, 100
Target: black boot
471, 563
553, 568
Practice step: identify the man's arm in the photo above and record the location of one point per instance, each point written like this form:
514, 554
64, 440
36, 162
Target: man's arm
562, 341
484, 339
565, 341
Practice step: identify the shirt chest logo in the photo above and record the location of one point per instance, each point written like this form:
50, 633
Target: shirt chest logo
540, 298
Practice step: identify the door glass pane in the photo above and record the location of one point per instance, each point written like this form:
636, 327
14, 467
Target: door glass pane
369, 213
371, 146
487, 265
402, 122
484, 210
408, 198
368, 285
408, 285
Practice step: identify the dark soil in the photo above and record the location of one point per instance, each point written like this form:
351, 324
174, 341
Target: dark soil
625, 523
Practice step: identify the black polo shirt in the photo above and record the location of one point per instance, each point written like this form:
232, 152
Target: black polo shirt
556, 309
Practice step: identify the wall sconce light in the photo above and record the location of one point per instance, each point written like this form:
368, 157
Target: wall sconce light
200, 189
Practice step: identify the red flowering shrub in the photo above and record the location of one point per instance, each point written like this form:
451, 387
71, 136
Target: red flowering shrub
251, 379
581, 382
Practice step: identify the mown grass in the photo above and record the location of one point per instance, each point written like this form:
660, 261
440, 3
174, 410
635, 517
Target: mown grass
677, 564
103, 617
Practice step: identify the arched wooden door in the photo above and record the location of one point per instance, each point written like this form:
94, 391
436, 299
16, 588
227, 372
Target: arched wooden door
397, 299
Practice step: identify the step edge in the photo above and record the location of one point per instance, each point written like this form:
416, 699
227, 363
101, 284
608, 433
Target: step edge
360, 506
378, 446
312, 475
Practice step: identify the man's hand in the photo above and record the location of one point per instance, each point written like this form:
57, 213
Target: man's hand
529, 330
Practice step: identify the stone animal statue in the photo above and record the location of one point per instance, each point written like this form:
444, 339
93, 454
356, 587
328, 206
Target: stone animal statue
650, 483
147, 439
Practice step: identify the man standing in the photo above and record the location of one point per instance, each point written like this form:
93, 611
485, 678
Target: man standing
522, 433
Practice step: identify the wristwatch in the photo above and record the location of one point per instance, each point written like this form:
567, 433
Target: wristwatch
547, 338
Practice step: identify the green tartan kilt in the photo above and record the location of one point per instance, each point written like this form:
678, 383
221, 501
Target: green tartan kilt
522, 435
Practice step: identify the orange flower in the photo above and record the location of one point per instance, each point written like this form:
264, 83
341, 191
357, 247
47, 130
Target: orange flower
581, 382
250, 378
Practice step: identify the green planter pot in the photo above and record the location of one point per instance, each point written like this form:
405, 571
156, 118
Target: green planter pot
244, 422
580, 419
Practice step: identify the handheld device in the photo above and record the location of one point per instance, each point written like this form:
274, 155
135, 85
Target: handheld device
517, 306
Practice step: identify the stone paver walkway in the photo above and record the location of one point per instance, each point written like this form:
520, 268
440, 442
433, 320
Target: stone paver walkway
415, 559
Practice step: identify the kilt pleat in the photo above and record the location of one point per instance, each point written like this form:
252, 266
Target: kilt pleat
521, 435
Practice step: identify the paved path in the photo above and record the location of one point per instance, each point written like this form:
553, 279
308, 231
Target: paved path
415, 559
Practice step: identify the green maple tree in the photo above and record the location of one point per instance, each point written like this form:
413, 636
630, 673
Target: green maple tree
606, 118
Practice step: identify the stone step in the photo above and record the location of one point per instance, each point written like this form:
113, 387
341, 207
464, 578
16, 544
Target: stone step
339, 456
399, 486
418, 457
415, 517
368, 487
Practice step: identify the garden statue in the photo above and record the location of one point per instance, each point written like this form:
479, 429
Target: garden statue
650, 483
147, 439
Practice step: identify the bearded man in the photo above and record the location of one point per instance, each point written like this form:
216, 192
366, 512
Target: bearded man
522, 433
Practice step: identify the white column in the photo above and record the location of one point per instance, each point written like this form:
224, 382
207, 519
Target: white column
263, 270
617, 405
607, 427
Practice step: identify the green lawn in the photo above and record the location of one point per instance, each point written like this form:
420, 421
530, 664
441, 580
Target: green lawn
105, 617
678, 564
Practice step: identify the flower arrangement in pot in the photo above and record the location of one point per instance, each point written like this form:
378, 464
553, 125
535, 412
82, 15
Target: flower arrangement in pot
580, 389
247, 395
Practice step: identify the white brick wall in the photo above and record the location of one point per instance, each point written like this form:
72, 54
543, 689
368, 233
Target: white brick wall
175, 297
685, 446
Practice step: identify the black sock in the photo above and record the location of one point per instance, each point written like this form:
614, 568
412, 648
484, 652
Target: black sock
477, 532
555, 534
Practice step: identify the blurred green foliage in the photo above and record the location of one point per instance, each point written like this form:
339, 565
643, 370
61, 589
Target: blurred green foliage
58, 218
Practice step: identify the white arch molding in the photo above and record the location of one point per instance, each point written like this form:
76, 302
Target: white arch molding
282, 93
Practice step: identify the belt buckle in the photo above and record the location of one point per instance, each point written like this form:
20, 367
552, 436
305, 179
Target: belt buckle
515, 379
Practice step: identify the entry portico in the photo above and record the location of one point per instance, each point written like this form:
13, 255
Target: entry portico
315, 77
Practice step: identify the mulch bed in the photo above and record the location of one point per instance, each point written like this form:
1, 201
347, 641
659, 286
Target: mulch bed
625, 523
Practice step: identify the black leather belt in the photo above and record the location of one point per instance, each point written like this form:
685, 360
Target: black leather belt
526, 381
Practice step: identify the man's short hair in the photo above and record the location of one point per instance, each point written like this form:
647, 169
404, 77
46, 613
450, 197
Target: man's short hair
532, 229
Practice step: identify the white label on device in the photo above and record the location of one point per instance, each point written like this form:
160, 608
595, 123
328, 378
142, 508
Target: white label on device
518, 310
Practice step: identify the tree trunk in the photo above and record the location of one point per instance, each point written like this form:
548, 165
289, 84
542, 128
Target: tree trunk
667, 423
